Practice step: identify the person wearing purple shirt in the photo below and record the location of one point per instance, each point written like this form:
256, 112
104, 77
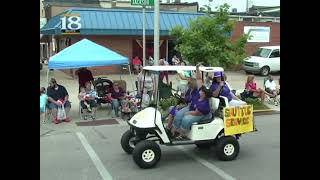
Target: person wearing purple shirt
201, 110
198, 109
116, 94
220, 88
191, 96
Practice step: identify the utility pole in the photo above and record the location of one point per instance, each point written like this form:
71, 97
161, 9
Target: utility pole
156, 40
144, 34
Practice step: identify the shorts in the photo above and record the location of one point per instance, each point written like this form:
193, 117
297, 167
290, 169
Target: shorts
54, 106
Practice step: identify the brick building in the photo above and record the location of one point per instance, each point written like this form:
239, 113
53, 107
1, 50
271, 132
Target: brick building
121, 31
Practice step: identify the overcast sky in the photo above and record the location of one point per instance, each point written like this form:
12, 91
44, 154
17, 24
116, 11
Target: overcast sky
239, 4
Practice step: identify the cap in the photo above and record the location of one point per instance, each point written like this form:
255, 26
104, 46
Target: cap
218, 74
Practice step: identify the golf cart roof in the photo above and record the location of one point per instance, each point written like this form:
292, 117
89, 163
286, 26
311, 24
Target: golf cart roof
182, 68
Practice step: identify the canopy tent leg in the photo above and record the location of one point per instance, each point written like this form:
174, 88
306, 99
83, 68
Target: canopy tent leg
48, 76
132, 80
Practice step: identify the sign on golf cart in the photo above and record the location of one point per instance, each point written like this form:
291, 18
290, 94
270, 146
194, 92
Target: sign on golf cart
238, 120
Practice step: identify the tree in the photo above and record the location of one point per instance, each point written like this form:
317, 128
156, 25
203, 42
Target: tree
207, 39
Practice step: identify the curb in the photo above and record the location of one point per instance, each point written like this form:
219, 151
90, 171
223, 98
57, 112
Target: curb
265, 110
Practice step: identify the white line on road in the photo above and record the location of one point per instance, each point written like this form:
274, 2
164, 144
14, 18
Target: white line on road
94, 157
209, 165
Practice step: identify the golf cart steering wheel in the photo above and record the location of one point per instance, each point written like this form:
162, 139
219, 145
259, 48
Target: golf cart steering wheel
176, 95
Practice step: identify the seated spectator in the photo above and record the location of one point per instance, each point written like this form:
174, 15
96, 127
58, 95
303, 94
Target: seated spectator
58, 96
43, 100
116, 94
252, 91
137, 64
84, 75
88, 100
278, 88
271, 87
84, 98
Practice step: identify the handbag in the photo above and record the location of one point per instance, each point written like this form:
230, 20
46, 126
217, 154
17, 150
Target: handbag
61, 114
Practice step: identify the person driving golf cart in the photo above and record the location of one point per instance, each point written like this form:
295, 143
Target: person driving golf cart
191, 96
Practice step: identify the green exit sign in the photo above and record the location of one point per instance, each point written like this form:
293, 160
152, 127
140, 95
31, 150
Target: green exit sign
142, 2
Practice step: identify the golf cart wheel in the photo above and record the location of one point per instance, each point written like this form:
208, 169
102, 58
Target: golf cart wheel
227, 148
146, 154
204, 145
265, 70
126, 142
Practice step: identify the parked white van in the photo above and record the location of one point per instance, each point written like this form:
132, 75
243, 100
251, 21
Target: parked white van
264, 61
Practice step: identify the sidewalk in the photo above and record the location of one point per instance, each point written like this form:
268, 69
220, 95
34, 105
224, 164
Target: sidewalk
236, 79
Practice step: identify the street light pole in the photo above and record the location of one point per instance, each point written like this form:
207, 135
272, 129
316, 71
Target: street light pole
156, 31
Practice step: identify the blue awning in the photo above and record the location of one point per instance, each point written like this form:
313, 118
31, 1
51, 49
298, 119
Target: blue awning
86, 53
120, 22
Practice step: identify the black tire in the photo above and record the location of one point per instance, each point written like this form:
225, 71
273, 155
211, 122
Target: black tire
204, 145
125, 141
151, 152
264, 71
225, 145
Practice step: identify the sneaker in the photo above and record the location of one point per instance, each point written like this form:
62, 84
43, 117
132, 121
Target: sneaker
56, 121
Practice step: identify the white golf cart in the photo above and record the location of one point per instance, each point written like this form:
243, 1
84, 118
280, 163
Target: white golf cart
146, 127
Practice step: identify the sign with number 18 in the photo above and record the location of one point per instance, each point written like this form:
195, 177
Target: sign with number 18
71, 24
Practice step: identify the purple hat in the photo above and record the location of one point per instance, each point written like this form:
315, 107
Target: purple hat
218, 74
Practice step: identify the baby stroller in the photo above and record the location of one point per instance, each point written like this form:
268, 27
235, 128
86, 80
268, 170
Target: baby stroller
101, 85
129, 106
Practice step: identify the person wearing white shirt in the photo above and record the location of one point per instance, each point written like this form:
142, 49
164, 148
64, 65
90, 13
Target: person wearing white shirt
271, 86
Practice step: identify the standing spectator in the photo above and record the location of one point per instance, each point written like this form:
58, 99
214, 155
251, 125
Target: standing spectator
58, 96
175, 60
116, 94
163, 74
137, 64
43, 101
84, 75
183, 77
150, 61
149, 83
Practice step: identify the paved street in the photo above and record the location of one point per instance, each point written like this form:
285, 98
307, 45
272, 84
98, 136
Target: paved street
69, 152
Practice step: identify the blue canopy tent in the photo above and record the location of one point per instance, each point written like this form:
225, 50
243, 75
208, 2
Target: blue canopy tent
86, 53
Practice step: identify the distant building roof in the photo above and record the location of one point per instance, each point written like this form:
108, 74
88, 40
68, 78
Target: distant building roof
119, 22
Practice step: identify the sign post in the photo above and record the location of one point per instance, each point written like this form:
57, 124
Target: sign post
143, 3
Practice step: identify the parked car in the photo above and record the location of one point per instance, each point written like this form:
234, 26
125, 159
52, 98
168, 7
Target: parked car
265, 60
